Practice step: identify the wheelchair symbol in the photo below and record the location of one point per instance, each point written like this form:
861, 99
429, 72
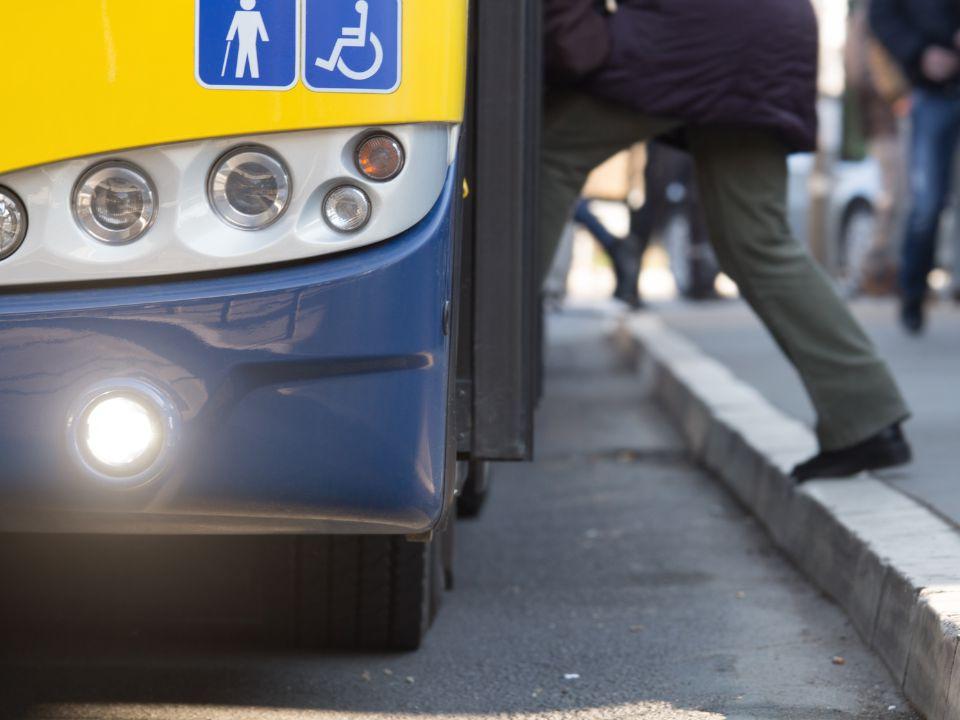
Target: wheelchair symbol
354, 37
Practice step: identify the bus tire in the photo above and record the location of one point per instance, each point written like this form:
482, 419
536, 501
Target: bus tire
366, 592
476, 489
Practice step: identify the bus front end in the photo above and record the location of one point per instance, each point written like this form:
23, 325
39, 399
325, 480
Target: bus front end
228, 242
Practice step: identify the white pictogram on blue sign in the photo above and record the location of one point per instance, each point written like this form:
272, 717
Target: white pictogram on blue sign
351, 45
247, 44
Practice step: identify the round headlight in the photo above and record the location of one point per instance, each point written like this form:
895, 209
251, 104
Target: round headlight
380, 157
249, 188
115, 202
346, 208
121, 434
13, 223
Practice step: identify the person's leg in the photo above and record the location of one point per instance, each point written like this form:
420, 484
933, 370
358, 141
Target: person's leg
242, 57
955, 271
591, 222
936, 123
641, 226
622, 253
579, 133
702, 261
644, 219
555, 285
743, 185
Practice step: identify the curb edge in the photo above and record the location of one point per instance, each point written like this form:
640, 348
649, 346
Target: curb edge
889, 562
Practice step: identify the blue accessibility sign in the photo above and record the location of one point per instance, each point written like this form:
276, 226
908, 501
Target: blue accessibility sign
352, 45
248, 44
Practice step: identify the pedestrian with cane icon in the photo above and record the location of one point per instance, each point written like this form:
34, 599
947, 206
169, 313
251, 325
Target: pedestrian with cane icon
249, 28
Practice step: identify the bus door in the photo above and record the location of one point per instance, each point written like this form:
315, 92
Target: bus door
499, 340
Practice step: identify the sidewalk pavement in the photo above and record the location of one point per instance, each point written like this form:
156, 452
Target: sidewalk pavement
889, 560
928, 369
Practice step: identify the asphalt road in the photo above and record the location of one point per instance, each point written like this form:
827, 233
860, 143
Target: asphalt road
926, 368
611, 579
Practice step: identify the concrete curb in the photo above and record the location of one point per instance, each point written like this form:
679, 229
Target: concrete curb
891, 563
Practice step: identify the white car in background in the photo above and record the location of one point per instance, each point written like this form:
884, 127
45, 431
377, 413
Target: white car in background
851, 190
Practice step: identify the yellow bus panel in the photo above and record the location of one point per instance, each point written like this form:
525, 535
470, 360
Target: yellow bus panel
94, 76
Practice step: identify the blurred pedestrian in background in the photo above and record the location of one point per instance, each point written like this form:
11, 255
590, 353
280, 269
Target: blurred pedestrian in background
878, 99
924, 37
663, 203
736, 82
624, 254
671, 209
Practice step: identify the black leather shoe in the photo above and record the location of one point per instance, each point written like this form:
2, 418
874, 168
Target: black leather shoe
911, 317
888, 448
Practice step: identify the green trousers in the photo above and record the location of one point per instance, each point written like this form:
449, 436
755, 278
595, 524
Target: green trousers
742, 176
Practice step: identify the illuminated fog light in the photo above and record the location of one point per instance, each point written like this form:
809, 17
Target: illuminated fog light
115, 202
121, 432
249, 188
13, 223
380, 157
346, 208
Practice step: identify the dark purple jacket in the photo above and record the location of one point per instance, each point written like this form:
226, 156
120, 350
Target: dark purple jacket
737, 63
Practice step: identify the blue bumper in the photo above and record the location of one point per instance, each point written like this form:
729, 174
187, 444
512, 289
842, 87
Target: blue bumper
310, 398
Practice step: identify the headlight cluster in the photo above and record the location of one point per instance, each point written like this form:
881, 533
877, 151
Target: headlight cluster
249, 188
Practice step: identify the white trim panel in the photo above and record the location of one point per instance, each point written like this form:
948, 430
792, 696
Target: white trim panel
189, 237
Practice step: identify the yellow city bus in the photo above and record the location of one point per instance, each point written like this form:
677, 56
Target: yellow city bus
266, 302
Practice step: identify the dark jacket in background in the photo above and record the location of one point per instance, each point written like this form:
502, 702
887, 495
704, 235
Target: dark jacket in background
908, 27
738, 63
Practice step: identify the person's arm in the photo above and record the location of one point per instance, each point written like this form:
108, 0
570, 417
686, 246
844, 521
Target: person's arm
891, 23
262, 29
233, 27
576, 38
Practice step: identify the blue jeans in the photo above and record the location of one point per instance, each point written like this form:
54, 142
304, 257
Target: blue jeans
591, 222
935, 133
